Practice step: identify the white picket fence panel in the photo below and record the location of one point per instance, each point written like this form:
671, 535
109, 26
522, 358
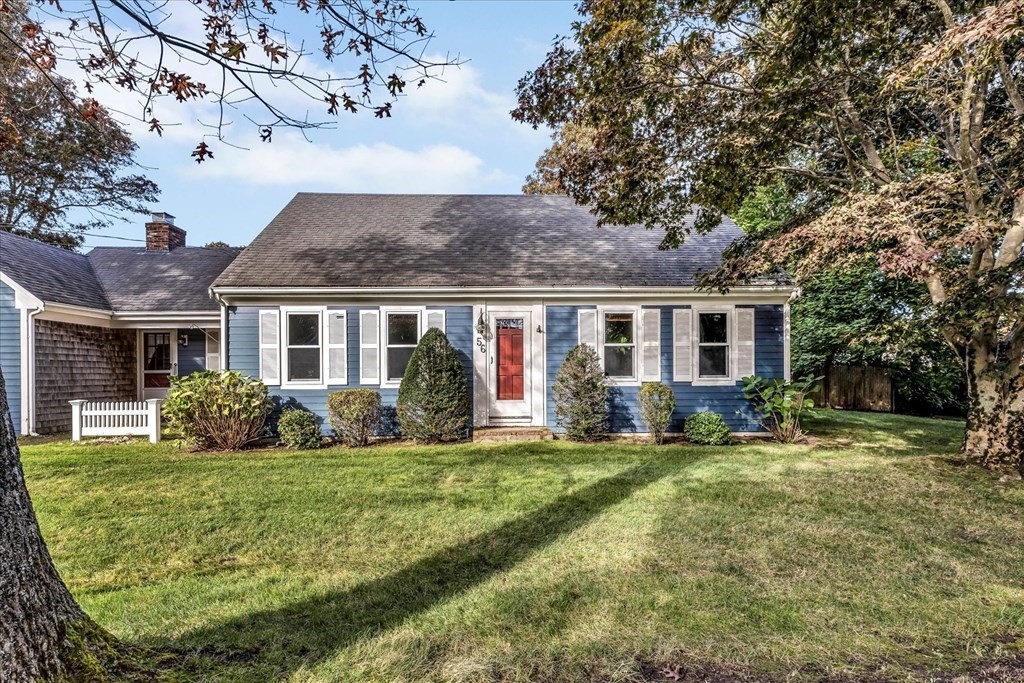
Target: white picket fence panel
116, 418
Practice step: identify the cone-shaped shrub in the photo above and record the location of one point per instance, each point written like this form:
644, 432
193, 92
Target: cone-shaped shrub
433, 399
581, 395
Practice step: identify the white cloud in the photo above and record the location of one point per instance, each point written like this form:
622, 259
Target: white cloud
455, 97
379, 167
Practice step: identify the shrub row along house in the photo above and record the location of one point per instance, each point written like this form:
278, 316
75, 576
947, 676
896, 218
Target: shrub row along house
338, 289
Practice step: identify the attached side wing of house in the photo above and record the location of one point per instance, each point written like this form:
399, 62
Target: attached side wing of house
111, 325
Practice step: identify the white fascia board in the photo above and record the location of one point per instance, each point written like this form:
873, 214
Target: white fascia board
140, 319
79, 315
22, 297
565, 295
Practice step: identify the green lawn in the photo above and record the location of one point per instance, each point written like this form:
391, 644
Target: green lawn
870, 553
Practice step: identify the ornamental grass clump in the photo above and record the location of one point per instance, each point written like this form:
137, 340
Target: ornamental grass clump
581, 395
298, 429
355, 415
217, 410
708, 429
433, 399
657, 402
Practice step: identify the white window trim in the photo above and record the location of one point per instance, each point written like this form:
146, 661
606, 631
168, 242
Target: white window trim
634, 380
286, 311
385, 311
730, 331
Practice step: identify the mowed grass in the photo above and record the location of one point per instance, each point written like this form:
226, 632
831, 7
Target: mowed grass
871, 552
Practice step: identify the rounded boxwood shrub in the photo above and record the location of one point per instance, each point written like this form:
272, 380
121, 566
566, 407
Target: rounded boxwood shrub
298, 429
433, 399
217, 410
657, 402
355, 415
581, 395
707, 428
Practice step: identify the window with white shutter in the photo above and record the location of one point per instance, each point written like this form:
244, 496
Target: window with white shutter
587, 322
682, 340
270, 347
369, 347
744, 343
618, 334
337, 347
714, 345
651, 352
303, 347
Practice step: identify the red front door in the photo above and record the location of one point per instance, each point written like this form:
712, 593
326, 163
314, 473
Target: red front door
510, 359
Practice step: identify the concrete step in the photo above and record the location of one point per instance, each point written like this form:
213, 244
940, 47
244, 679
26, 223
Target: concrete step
506, 434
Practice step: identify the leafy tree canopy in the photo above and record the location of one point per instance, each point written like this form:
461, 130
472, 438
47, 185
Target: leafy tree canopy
859, 316
61, 173
900, 124
274, 63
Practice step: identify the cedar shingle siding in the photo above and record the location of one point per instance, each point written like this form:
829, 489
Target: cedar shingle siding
80, 362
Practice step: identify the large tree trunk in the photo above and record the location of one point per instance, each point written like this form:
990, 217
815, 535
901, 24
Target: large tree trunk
995, 418
44, 634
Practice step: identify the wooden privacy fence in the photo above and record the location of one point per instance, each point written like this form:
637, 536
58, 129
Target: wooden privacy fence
847, 387
116, 418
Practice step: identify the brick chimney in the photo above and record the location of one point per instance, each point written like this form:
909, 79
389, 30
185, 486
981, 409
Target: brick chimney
162, 234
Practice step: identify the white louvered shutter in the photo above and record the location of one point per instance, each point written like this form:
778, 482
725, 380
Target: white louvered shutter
651, 352
213, 350
337, 347
369, 347
270, 347
588, 327
682, 345
744, 344
436, 319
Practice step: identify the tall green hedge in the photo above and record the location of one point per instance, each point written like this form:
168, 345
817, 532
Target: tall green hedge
433, 399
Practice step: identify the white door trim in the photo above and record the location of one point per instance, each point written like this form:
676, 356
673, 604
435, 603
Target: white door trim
144, 393
485, 366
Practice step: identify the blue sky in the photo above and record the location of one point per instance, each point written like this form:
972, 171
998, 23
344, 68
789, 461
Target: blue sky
452, 136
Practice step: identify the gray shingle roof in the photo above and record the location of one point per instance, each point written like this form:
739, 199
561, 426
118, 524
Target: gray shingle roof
150, 281
121, 279
360, 240
51, 273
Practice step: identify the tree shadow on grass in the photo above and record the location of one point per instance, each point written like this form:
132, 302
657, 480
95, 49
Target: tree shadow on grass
308, 631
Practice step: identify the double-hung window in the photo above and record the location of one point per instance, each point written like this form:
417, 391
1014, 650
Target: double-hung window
304, 347
401, 334
619, 344
713, 330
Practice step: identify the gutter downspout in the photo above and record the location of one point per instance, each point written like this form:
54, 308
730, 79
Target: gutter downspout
28, 371
786, 343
